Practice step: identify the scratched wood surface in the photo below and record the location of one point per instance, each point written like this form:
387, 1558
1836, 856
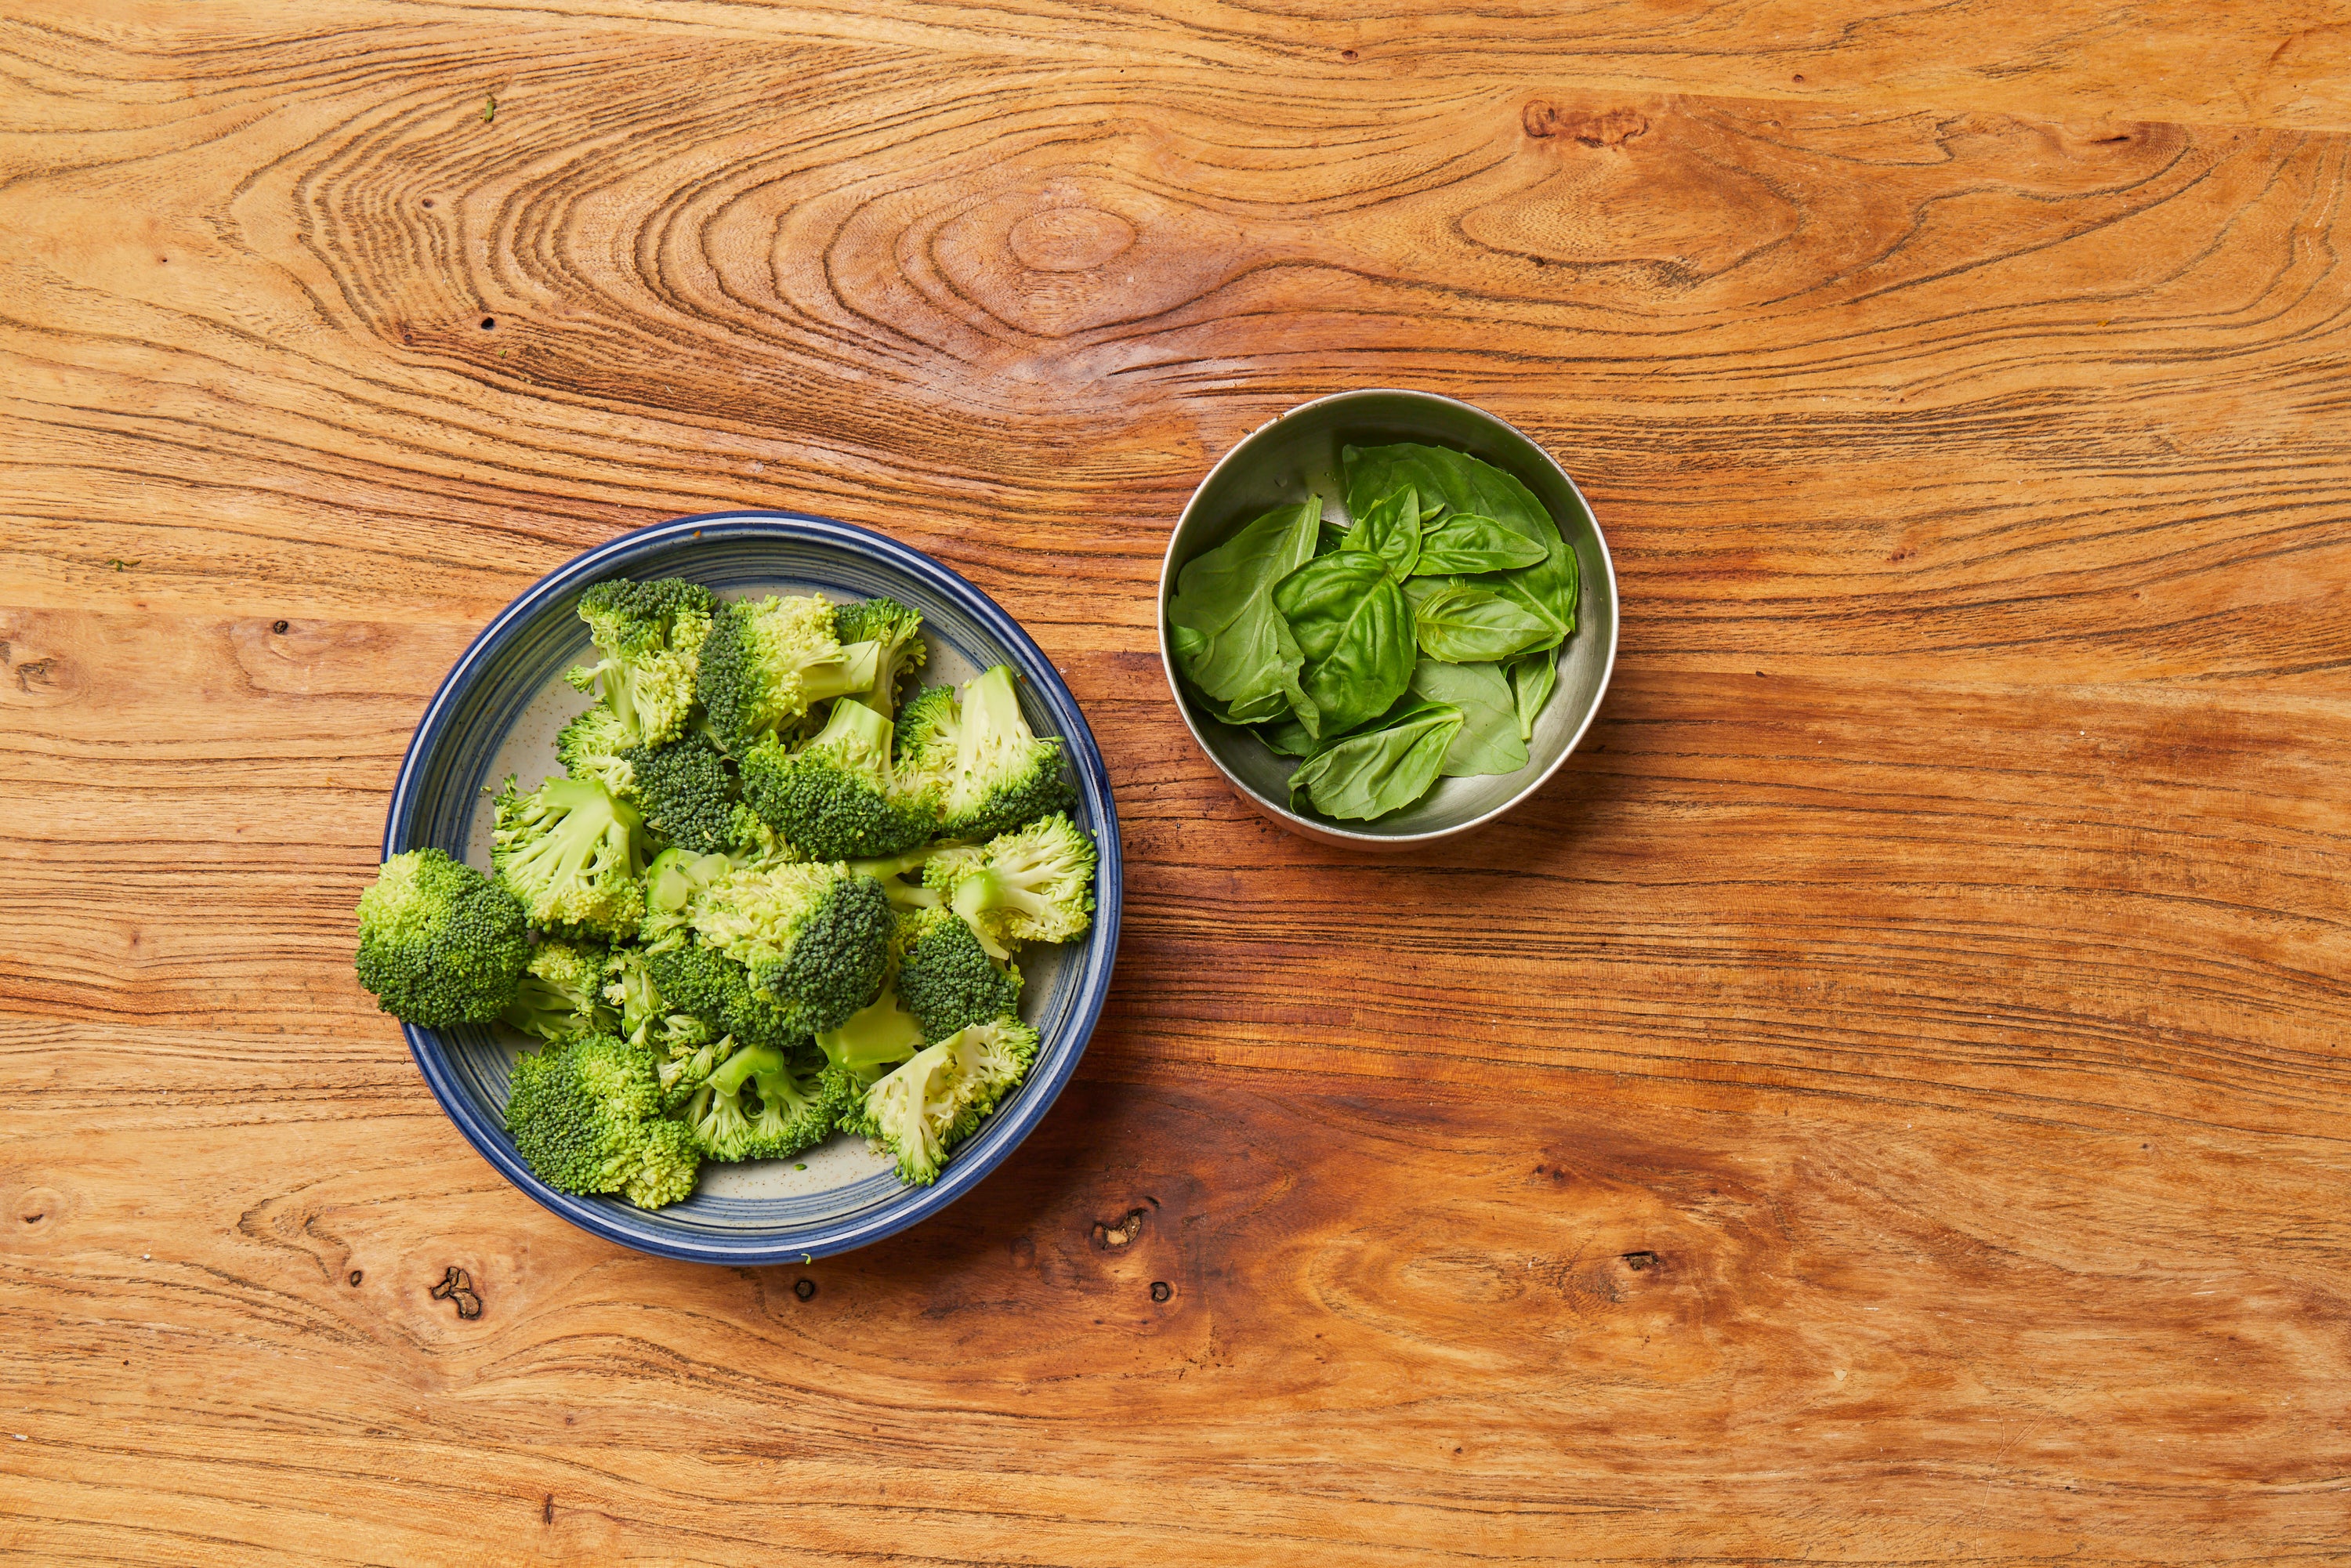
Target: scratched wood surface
1884, 1101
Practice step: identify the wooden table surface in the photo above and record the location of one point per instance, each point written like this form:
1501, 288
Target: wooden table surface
1884, 1102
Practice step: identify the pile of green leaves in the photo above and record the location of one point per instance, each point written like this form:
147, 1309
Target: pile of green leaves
1419, 642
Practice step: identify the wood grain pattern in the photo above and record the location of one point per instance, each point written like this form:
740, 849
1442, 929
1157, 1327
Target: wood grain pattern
1884, 1102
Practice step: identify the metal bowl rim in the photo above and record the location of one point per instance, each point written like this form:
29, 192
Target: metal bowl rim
1313, 827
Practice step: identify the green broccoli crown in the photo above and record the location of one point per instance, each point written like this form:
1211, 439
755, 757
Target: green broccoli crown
993, 1058
571, 852
836, 797
947, 980
562, 992
761, 1103
440, 943
1006, 775
690, 1053
1033, 885
685, 791
815, 936
930, 738
895, 631
691, 977
590, 746
915, 1113
873, 1039
921, 1111
651, 636
768, 661
586, 1115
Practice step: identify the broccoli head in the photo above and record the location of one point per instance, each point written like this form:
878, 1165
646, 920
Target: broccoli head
651, 636
873, 1039
440, 943
768, 661
915, 1113
562, 992
946, 977
589, 747
991, 771
814, 935
992, 1059
688, 976
1033, 885
586, 1115
761, 1103
571, 851
836, 797
921, 1111
894, 632
685, 793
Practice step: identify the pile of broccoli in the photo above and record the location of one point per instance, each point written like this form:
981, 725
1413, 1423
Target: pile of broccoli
764, 900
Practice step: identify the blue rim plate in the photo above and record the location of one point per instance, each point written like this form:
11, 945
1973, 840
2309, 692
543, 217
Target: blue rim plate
438, 793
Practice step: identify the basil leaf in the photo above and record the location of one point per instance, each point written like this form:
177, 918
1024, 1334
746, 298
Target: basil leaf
1390, 529
1228, 639
1548, 587
1489, 740
1288, 737
1467, 542
1352, 622
1465, 625
1370, 775
1532, 676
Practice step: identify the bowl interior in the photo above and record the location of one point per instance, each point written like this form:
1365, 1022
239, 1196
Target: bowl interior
1297, 457
500, 713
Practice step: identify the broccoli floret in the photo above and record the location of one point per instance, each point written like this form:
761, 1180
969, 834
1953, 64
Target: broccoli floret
930, 737
915, 1113
814, 935
572, 852
761, 1105
873, 1039
992, 773
993, 1058
689, 978
768, 661
674, 878
893, 629
947, 980
689, 1055
589, 747
920, 1111
651, 636
586, 1114
685, 791
439, 942
562, 992
836, 797
1033, 885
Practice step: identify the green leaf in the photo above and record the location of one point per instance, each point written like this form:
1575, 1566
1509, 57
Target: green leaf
1390, 529
1352, 622
1288, 737
1465, 625
1489, 741
1382, 770
1532, 676
1465, 542
1228, 641
1463, 483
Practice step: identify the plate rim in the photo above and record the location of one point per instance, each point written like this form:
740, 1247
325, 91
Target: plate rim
1037, 1094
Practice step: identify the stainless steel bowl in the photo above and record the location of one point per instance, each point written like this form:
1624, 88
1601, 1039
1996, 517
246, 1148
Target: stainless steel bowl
1287, 459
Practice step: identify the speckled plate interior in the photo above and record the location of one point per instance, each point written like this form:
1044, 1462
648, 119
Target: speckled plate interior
497, 713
